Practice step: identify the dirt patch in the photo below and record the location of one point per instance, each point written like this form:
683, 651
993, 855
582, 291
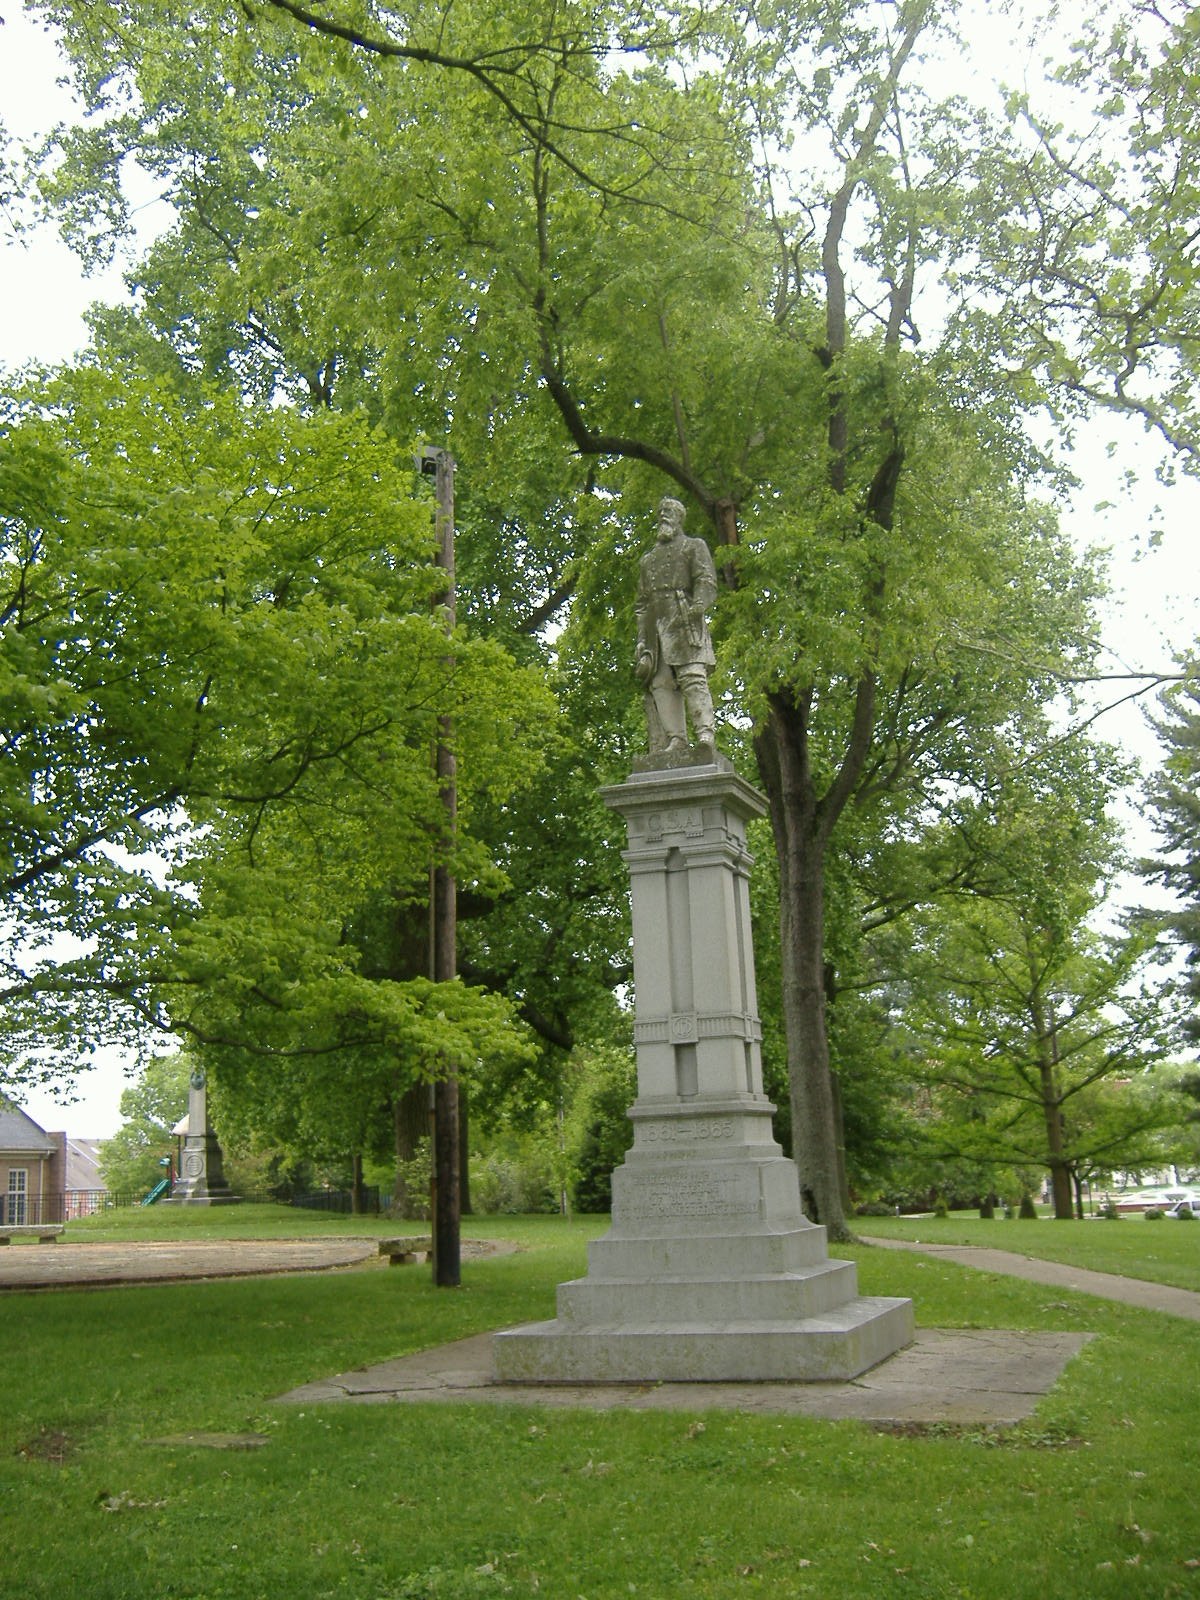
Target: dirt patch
50, 1445
213, 1441
994, 1436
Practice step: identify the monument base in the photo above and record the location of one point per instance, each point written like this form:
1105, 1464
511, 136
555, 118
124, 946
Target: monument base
752, 1306
710, 1271
837, 1346
202, 1180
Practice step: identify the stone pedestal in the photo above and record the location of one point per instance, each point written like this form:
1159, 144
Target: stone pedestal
710, 1269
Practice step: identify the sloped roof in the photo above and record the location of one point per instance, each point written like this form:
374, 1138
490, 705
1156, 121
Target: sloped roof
83, 1164
20, 1132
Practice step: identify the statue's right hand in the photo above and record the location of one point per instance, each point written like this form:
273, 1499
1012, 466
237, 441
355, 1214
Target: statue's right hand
644, 666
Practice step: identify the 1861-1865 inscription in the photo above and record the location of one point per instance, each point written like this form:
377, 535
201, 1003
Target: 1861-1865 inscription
693, 1131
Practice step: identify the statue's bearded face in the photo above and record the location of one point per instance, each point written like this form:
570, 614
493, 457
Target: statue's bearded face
670, 519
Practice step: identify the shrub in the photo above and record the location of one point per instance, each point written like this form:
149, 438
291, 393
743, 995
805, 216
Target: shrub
516, 1177
599, 1131
1027, 1210
1153, 1214
412, 1182
1186, 1214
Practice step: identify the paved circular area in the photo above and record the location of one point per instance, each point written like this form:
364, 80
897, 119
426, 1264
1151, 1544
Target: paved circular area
51, 1266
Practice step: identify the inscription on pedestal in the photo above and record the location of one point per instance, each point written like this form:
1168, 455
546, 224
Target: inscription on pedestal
693, 1131
686, 820
684, 1195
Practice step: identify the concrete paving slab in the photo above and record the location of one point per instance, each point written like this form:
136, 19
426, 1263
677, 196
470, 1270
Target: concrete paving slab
955, 1376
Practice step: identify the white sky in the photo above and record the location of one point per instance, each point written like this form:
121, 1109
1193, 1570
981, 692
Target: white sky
1154, 611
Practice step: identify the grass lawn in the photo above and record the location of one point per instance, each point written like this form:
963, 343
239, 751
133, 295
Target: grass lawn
100, 1495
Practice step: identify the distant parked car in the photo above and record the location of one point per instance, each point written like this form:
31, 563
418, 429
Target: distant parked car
1184, 1208
1157, 1200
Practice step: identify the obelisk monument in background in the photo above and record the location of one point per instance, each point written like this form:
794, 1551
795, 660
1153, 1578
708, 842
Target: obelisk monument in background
201, 1180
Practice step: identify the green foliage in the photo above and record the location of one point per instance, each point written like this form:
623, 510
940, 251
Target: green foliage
412, 1180
1175, 798
775, 264
220, 678
131, 1162
1030, 1028
598, 1130
518, 1172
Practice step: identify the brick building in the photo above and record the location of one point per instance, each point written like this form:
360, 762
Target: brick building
33, 1169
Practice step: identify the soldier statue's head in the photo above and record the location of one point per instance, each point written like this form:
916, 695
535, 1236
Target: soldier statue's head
670, 517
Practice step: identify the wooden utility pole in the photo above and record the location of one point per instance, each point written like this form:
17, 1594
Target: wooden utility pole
443, 940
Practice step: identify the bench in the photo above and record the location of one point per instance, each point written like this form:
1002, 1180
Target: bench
44, 1233
402, 1252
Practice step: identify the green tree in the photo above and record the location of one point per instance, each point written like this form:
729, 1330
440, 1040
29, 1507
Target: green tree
1178, 1143
1025, 1018
220, 675
1175, 798
132, 1161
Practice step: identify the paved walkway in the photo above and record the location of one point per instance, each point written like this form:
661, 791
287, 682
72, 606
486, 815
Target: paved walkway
1129, 1291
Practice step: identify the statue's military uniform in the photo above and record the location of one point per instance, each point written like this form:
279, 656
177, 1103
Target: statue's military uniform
677, 585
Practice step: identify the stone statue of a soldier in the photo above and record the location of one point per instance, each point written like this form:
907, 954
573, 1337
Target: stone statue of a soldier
677, 584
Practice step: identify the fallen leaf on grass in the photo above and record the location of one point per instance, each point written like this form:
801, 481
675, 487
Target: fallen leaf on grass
126, 1502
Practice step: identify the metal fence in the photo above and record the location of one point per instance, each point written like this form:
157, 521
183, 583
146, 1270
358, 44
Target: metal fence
31, 1210
72, 1204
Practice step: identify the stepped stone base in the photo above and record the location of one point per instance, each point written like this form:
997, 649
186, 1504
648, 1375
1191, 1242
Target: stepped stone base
836, 1345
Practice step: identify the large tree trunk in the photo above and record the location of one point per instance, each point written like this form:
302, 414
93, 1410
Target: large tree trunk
814, 1111
411, 1124
1056, 1142
800, 845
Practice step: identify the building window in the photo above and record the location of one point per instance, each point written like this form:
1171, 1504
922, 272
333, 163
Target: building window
18, 1196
